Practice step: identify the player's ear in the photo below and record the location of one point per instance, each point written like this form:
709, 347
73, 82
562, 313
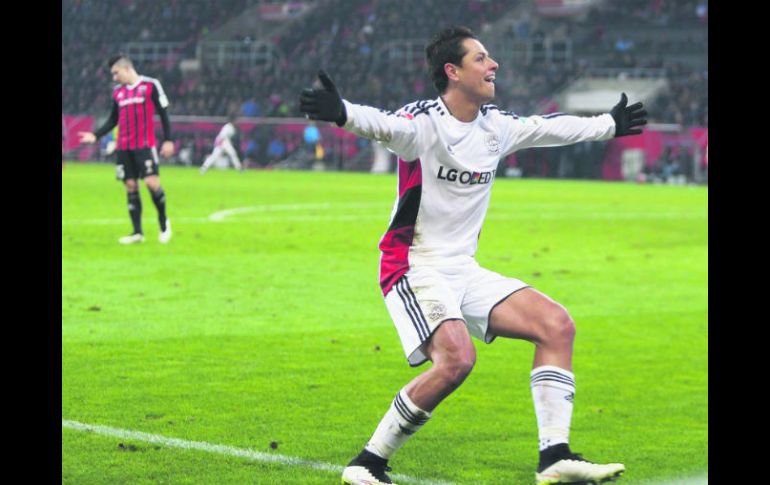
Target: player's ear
451, 71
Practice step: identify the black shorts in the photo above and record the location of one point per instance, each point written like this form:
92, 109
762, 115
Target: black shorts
136, 164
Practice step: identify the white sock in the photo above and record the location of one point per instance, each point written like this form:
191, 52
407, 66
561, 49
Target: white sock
553, 390
401, 421
207, 163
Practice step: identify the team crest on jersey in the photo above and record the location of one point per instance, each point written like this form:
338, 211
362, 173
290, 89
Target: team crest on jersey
492, 142
142, 90
437, 310
120, 94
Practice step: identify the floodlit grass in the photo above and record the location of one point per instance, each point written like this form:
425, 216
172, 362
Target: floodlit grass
266, 324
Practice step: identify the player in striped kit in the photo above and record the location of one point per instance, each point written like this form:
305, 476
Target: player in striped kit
136, 100
437, 294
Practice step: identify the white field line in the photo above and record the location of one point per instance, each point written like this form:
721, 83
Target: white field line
289, 213
275, 457
700, 480
226, 450
221, 215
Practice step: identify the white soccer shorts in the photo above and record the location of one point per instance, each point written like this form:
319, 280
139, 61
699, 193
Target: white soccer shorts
426, 296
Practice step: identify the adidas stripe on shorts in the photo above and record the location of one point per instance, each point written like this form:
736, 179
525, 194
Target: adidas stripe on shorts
426, 296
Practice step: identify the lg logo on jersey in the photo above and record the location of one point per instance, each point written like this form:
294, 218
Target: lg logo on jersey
465, 177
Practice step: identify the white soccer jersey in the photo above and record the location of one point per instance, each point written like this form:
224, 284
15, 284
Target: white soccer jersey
445, 172
225, 134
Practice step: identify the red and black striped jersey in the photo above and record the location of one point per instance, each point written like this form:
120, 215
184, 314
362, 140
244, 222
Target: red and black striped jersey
133, 110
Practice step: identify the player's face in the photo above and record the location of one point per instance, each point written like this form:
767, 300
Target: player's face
121, 73
477, 72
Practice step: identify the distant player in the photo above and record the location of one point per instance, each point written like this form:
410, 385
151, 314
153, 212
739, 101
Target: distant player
135, 101
437, 294
223, 146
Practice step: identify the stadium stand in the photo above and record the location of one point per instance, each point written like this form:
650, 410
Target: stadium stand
374, 51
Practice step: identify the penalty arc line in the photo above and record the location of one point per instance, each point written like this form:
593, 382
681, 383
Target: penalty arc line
225, 450
221, 215
283, 212
380, 217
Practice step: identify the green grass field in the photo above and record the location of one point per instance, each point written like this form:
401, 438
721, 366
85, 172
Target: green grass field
266, 324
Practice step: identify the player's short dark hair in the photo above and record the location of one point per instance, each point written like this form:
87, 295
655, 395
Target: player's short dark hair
118, 57
446, 46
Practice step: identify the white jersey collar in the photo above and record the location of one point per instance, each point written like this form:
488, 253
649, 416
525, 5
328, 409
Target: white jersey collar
132, 86
454, 121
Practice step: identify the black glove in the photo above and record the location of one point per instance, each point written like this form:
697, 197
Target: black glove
323, 104
626, 117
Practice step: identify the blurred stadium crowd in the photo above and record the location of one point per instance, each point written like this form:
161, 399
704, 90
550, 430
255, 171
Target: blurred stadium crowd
354, 39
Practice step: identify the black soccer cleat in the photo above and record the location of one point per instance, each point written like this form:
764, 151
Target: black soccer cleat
559, 465
367, 469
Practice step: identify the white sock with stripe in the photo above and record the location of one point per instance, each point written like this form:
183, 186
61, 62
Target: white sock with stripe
553, 390
401, 421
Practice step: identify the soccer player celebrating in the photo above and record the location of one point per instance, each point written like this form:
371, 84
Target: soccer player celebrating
436, 293
136, 99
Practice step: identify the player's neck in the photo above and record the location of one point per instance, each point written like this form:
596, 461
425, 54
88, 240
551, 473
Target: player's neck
460, 106
132, 79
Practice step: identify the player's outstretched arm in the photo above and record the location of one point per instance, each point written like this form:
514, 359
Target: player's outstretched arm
628, 117
397, 133
323, 103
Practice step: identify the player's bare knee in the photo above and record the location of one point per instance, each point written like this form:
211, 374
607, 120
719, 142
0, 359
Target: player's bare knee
456, 367
152, 184
131, 185
559, 327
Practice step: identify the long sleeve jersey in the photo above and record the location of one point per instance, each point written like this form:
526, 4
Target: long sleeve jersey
133, 111
446, 168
